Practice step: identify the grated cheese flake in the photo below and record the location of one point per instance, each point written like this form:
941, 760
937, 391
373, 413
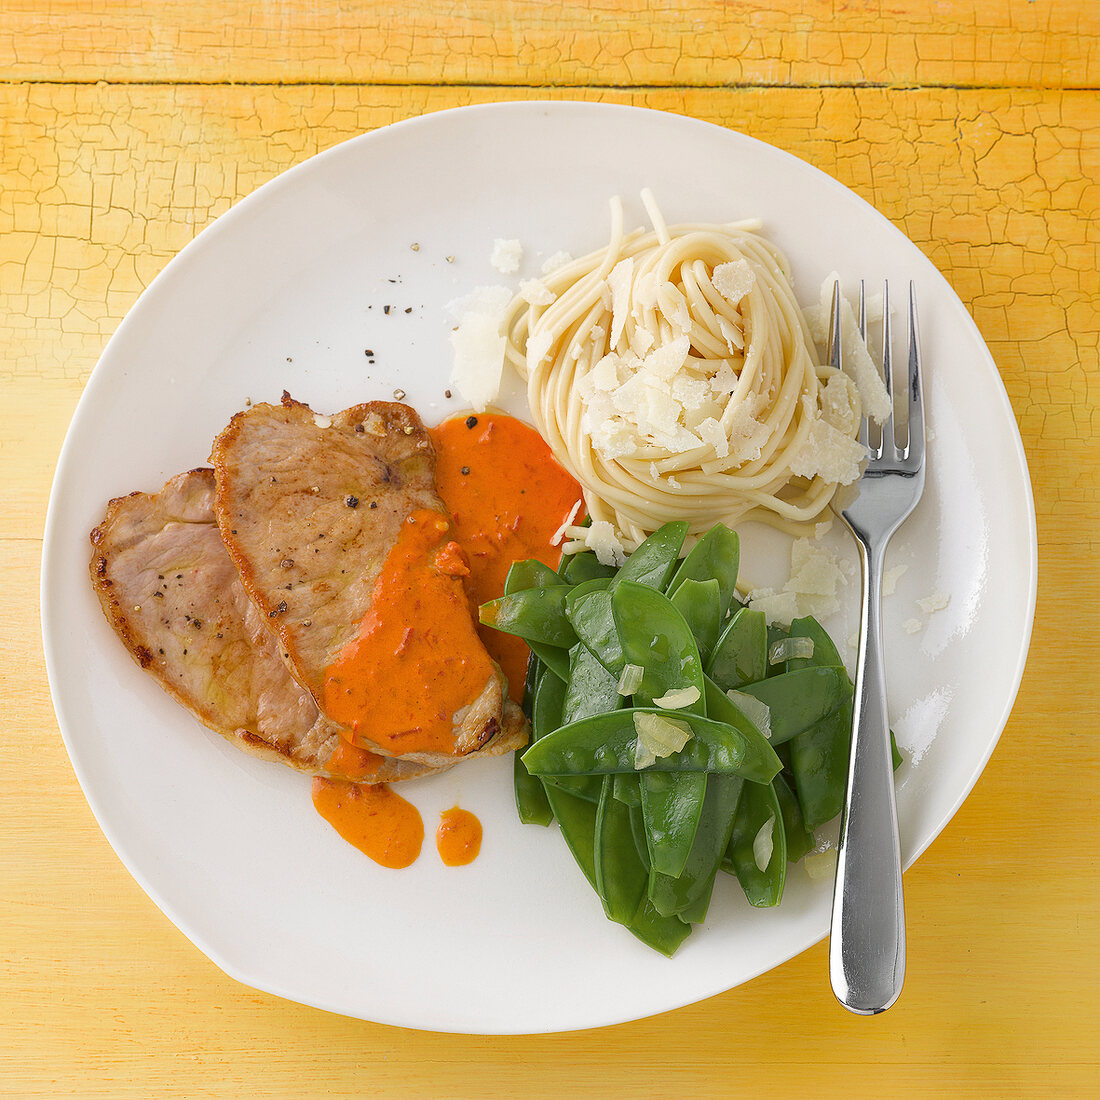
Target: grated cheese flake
506, 256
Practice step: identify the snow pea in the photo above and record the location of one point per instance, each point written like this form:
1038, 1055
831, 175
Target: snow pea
700, 603
605, 743
576, 817
530, 573
819, 755
690, 890
531, 803
655, 636
535, 614
620, 875
664, 934
589, 612
628, 789
637, 822
798, 699
741, 653
652, 563
800, 840
715, 556
590, 690
758, 803
585, 566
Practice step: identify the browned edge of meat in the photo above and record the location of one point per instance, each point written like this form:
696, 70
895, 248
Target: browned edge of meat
172, 594
309, 506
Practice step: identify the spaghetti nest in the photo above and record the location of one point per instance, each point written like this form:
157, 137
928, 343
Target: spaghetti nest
674, 375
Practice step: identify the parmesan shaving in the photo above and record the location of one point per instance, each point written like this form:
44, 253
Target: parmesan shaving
630, 679
561, 532
506, 256
658, 737
478, 342
763, 844
757, 712
678, 699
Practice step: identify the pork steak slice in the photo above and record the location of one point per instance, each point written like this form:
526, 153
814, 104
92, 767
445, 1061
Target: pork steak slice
174, 597
309, 507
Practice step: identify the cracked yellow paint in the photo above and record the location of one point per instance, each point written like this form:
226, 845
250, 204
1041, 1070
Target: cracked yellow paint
102, 181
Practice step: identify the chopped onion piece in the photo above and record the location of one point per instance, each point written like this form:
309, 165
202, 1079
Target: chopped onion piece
630, 679
658, 736
821, 865
678, 699
758, 713
764, 844
786, 648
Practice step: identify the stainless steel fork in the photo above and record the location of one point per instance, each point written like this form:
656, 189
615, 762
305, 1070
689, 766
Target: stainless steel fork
867, 945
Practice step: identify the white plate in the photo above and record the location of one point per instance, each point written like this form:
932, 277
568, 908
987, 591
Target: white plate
287, 290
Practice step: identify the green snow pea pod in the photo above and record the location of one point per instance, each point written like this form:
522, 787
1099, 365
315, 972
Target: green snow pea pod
589, 612
531, 804
585, 566
819, 755
700, 603
576, 817
895, 752
605, 743
798, 699
741, 652
715, 556
637, 822
655, 636
628, 789
590, 690
546, 708
664, 934
534, 614
758, 809
621, 877
530, 573
552, 658
689, 892
652, 563
620, 874
800, 840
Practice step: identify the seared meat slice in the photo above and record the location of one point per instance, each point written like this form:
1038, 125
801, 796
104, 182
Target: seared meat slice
310, 507
171, 592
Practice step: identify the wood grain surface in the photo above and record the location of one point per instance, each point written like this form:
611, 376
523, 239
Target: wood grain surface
127, 127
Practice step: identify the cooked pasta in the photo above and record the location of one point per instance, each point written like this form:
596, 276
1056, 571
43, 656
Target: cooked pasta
673, 374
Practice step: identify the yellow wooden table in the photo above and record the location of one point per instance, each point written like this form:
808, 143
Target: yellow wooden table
126, 127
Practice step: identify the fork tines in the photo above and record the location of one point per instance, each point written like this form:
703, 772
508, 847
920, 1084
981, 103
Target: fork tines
890, 442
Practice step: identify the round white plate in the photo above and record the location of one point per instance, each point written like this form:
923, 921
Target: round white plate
288, 290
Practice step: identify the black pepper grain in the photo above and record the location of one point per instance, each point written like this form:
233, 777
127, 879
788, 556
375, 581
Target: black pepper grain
471, 422
385, 309
352, 502
374, 504
465, 469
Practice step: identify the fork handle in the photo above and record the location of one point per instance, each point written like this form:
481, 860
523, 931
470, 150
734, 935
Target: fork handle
867, 944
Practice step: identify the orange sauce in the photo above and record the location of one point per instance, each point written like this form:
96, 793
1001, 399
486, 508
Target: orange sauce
458, 837
508, 497
416, 660
373, 819
353, 762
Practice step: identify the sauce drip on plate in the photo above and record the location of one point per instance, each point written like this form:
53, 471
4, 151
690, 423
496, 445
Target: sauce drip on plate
458, 837
508, 497
374, 819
